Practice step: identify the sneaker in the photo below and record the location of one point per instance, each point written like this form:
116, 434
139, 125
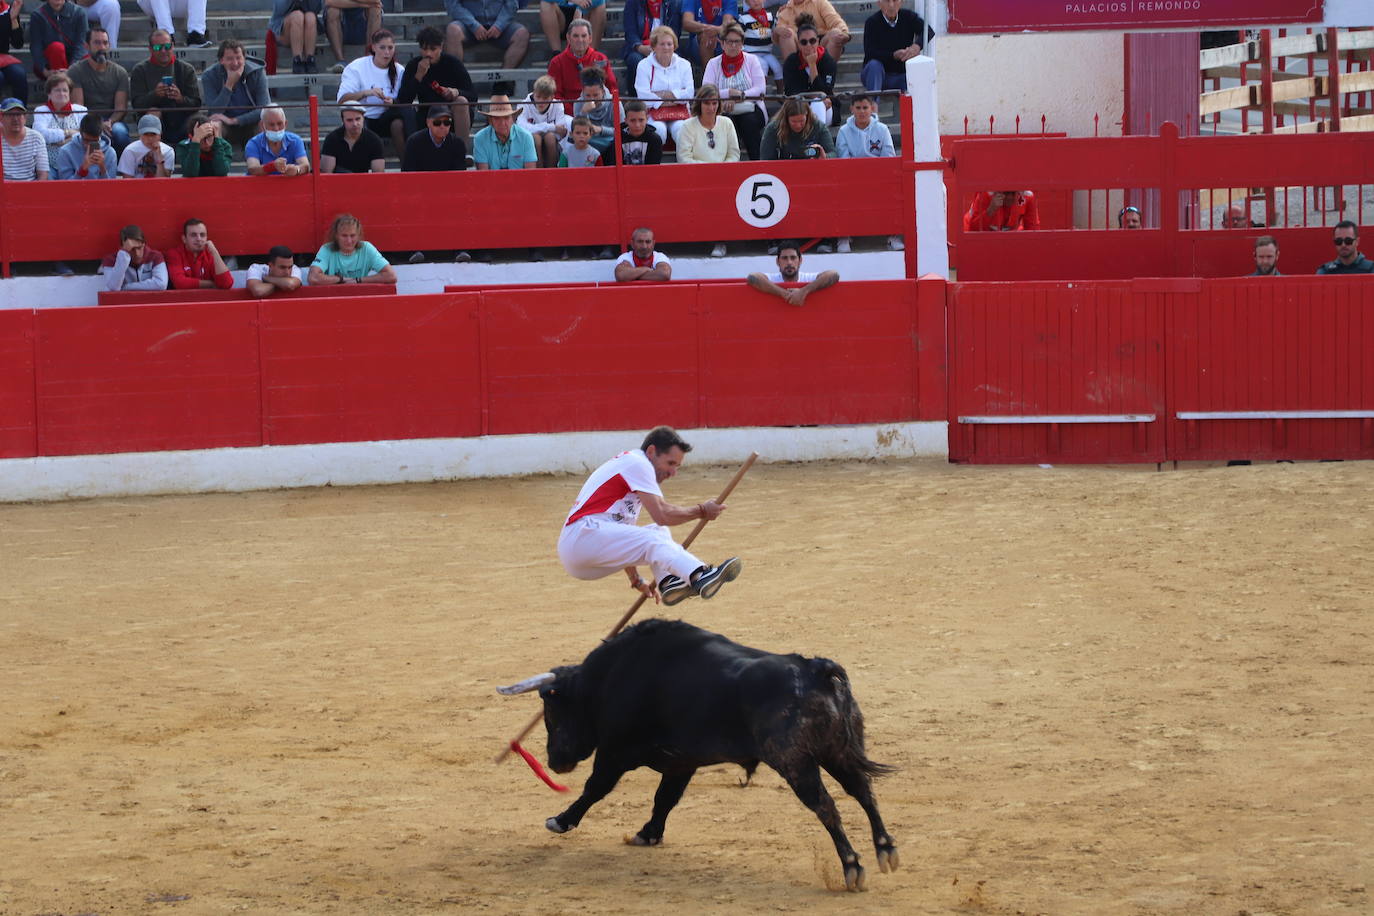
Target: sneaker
709, 581
417, 258
310, 66
719, 250
844, 247
895, 243
337, 68
672, 590
63, 269
605, 254
462, 257
297, 65
197, 40
773, 248
825, 248
536, 254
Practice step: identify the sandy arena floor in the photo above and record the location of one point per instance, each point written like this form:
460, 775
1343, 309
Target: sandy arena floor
1109, 692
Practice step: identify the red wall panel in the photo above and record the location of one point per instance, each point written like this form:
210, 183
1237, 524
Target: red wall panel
146, 378
162, 297
346, 370
18, 418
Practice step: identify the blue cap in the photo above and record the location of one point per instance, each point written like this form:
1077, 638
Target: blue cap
12, 104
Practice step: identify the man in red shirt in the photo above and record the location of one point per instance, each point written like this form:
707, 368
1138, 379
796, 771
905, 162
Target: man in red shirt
566, 66
1002, 211
195, 263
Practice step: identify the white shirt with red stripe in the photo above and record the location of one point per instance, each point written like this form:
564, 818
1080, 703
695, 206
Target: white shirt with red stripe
612, 491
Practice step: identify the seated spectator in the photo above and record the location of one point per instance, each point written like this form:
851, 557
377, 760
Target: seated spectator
195, 263
796, 134
706, 136
577, 150
351, 147
103, 14
162, 11
476, 21
567, 66
739, 77
346, 258
103, 87
702, 21
596, 105
57, 35
163, 86
642, 262
279, 274
148, 156
1266, 257
641, 17
864, 136
834, 32
26, 158
57, 120
276, 151
789, 270
436, 77
203, 153
1129, 218
503, 144
664, 82
134, 265
892, 36
14, 78
758, 38
639, 143
375, 81
1348, 257
435, 149
1237, 217
556, 16
350, 21
545, 119
809, 72
1002, 211
235, 93
295, 24
86, 155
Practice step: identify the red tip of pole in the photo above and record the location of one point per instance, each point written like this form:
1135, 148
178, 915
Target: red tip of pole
537, 767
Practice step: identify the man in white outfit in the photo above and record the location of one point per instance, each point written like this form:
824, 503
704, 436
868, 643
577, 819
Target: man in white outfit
162, 11
602, 534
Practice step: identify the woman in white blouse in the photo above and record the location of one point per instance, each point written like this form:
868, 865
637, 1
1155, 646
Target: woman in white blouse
739, 77
664, 82
57, 119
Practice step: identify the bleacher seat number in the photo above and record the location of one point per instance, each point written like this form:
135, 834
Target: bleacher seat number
762, 200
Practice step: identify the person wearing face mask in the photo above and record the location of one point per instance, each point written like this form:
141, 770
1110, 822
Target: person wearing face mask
276, 151
103, 87
163, 86
235, 92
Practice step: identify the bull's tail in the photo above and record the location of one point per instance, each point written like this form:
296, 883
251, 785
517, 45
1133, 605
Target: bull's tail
832, 681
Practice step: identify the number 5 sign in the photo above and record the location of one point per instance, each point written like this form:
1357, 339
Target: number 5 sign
762, 200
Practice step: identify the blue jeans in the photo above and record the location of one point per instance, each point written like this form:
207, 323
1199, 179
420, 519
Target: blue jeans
119, 136
875, 78
16, 78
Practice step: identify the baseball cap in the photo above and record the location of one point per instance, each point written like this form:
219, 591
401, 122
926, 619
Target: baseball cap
439, 111
149, 124
353, 106
12, 104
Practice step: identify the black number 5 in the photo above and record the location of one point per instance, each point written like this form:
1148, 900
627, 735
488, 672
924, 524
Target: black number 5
757, 196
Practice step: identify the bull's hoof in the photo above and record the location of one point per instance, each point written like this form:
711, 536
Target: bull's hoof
854, 877
888, 861
639, 839
555, 826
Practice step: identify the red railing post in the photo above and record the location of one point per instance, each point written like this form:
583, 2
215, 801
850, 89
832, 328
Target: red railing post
908, 127
1168, 196
315, 160
619, 167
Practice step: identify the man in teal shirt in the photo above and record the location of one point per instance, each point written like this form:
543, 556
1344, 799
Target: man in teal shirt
503, 144
346, 258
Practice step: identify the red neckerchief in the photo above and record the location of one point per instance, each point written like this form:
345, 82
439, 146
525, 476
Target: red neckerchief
653, 9
586, 60
728, 67
171, 63
760, 16
710, 10
59, 111
648, 262
820, 52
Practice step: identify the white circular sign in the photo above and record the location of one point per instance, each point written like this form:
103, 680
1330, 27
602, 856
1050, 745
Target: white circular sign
762, 200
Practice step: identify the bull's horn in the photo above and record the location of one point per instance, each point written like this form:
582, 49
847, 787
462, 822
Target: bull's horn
528, 684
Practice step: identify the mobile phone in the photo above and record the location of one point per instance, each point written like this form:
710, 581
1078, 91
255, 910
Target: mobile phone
166, 81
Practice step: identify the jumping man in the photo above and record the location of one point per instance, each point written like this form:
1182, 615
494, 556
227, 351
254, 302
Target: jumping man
602, 533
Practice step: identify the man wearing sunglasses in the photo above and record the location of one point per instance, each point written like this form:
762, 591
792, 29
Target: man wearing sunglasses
164, 87
1348, 257
435, 149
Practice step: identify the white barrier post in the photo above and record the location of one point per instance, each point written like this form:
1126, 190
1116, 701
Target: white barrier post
932, 236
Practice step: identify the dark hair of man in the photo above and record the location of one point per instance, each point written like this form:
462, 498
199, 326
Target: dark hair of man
789, 243
93, 29
193, 122
635, 105
91, 125
663, 438
1266, 240
278, 251
429, 37
1349, 224
193, 221
592, 76
130, 232
858, 97
228, 44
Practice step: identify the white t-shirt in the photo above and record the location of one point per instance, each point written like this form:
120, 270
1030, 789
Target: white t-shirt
803, 276
132, 158
258, 271
610, 493
364, 74
629, 258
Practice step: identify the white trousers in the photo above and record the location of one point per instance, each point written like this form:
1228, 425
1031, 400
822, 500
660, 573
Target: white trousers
591, 548
665, 128
107, 13
162, 12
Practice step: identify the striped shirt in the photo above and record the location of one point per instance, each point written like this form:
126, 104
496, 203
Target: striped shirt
23, 162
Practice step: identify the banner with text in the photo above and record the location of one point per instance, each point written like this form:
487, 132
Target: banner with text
1126, 15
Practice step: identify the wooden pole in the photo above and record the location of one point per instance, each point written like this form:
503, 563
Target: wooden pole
639, 602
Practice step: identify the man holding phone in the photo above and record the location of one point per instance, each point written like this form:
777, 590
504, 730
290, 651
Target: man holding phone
88, 154
163, 86
1002, 211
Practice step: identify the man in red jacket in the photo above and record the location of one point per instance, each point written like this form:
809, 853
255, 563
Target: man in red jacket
566, 66
195, 263
1002, 211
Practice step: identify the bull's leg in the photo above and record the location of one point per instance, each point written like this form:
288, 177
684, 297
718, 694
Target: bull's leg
669, 793
856, 782
605, 774
805, 780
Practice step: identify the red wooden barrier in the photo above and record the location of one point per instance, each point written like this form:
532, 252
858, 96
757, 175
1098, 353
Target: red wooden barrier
18, 418
164, 297
147, 378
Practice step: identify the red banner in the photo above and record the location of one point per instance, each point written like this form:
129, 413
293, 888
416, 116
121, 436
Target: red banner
1056, 15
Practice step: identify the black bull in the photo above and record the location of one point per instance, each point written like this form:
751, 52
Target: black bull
673, 697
